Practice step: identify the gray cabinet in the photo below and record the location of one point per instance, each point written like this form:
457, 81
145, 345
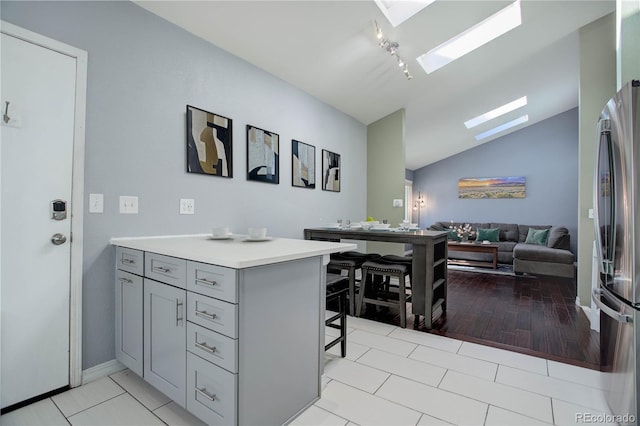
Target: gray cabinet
164, 339
128, 286
232, 346
165, 325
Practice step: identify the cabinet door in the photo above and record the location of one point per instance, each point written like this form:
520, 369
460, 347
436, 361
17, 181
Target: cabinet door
165, 339
129, 320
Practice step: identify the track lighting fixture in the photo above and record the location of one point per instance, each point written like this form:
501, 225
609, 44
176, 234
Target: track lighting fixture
392, 48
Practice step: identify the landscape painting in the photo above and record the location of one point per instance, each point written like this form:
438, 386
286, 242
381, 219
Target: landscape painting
492, 187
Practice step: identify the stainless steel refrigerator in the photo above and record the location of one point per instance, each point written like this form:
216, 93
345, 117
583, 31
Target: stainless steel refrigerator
617, 227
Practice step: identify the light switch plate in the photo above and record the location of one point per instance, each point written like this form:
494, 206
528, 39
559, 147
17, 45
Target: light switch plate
397, 202
187, 206
590, 213
128, 204
96, 203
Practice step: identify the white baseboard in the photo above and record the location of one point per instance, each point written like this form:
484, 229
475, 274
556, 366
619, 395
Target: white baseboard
101, 370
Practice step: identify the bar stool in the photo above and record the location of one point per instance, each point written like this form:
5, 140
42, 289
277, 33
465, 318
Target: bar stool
387, 267
337, 287
350, 261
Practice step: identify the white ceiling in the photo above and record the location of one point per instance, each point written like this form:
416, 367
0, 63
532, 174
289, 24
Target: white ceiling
329, 49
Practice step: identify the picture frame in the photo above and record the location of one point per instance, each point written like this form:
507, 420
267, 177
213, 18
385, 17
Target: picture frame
209, 143
263, 155
303, 165
330, 171
492, 187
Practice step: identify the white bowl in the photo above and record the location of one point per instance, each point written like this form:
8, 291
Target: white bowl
366, 225
381, 226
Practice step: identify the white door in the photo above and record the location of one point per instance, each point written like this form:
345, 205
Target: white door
36, 158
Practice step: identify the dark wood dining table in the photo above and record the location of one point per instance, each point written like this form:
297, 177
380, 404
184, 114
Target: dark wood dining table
429, 261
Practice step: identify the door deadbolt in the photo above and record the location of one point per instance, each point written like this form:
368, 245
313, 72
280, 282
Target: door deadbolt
58, 239
58, 210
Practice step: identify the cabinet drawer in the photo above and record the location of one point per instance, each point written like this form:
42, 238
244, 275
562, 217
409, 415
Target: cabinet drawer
211, 392
212, 280
166, 269
130, 260
214, 347
213, 314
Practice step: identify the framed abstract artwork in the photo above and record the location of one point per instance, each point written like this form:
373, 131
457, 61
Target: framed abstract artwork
263, 155
303, 165
492, 187
209, 143
330, 171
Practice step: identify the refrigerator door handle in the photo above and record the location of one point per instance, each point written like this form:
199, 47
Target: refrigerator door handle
595, 296
603, 125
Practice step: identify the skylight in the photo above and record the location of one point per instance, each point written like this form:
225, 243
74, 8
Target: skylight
493, 27
502, 127
518, 103
397, 12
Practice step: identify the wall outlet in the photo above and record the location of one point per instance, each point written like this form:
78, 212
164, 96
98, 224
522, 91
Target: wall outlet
96, 203
128, 204
187, 206
590, 214
397, 202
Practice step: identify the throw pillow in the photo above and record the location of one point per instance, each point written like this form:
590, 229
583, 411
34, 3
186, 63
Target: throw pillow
559, 238
537, 236
491, 234
453, 235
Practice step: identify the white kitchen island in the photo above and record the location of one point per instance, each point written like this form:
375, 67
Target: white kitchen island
232, 330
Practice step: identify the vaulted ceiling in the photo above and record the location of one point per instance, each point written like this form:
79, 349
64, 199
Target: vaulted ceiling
329, 49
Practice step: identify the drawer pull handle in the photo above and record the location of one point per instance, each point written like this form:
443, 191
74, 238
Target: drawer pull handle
205, 347
205, 281
161, 269
126, 280
203, 392
204, 314
128, 261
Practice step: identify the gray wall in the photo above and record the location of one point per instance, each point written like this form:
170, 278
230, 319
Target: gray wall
142, 72
546, 153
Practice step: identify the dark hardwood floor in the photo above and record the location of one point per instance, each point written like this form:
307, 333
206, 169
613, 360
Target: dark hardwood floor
528, 314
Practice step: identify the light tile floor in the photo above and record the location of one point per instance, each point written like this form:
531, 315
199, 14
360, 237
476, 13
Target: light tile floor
391, 376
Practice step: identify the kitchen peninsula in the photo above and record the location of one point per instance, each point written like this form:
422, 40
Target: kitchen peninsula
230, 329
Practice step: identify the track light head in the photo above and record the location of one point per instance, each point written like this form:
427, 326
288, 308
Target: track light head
392, 48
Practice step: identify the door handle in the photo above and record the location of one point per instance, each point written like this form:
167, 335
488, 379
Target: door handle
595, 296
58, 239
179, 313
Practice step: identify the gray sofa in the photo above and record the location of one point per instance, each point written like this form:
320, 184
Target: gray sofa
553, 259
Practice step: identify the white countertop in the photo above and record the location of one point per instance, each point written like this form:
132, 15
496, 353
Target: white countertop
234, 253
